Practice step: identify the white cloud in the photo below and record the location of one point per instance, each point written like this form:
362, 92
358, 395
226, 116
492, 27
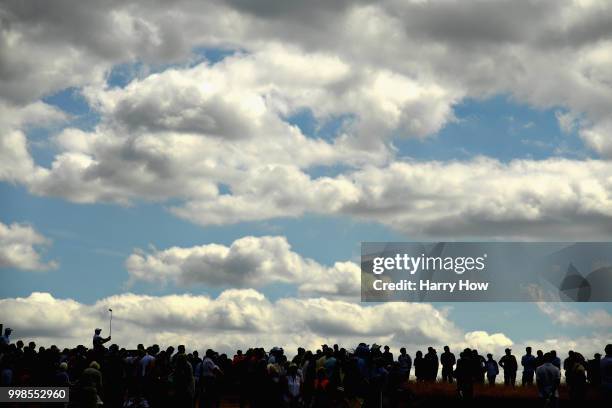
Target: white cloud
247, 262
243, 318
20, 248
238, 319
415, 57
16, 164
392, 69
523, 198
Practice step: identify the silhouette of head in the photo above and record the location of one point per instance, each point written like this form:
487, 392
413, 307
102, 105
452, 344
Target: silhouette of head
528, 350
446, 349
97, 331
489, 356
548, 357
608, 350
508, 351
403, 350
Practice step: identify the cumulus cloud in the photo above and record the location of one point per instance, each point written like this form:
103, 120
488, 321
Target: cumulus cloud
427, 51
483, 197
20, 248
16, 163
238, 319
215, 139
247, 262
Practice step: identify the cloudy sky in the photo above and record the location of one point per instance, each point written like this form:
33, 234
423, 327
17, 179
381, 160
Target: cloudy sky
209, 170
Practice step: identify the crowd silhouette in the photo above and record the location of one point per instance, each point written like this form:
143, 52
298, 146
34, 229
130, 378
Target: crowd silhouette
368, 375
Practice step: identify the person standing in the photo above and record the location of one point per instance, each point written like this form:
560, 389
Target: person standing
509, 364
492, 369
448, 362
606, 374
431, 364
419, 366
5, 340
548, 378
387, 356
184, 386
529, 365
594, 370
207, 373
405, 363
464, 373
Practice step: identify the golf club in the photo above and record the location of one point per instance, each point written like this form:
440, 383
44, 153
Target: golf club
110, 323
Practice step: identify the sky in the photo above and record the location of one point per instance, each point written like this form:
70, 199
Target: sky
209, 170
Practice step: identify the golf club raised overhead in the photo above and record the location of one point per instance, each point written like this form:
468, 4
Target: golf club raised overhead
110, 323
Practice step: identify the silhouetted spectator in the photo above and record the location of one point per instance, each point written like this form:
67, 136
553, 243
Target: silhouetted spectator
91, 386
431, 364
180, 350
528, 361
509, 364
492, 369
479, 369
594, 370
387, 356
321, 398
419, 366
548, 378
576, 371
567, 363
113, 376
61, 376
331, 364
539, 358
207, 374
405, 363
448, 362
464, 374
5, 340
556, 361
606, 373
378, 382
293, 386
184, 386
